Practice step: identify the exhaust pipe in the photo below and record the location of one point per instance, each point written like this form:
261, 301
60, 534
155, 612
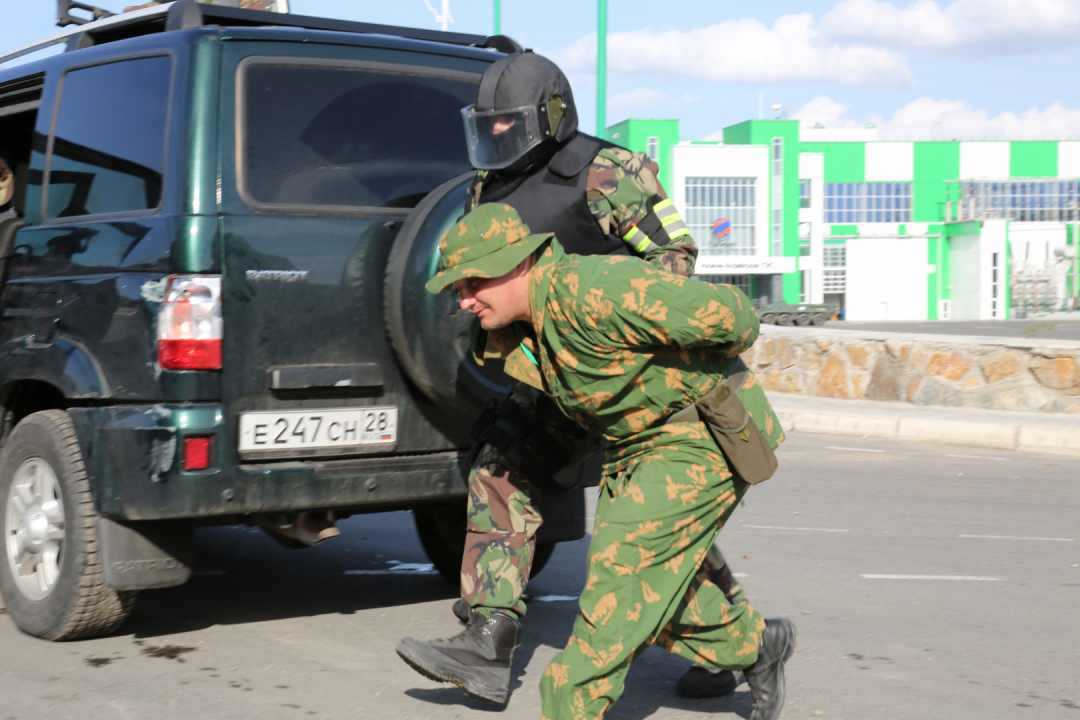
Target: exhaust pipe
300, 530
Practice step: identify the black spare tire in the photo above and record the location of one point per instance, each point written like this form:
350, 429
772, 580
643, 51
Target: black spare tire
429, 333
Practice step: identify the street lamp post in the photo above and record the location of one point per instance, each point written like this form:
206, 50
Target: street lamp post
601, 71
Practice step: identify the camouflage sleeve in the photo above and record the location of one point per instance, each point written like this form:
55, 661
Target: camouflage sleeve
627, 200
653, 307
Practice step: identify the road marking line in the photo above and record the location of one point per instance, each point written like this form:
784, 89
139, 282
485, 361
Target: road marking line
931, 577
556, 598
978, 457
1014, 537
836, 447
780, 527
740, 574
400, 569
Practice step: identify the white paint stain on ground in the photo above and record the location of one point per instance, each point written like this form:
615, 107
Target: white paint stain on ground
784, 527
398, 568
932, 577
1014, 537
978, 457
836, 447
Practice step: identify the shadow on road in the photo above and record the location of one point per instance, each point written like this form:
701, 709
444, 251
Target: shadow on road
242, 576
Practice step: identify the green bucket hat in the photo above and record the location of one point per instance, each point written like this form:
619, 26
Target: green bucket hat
489, 242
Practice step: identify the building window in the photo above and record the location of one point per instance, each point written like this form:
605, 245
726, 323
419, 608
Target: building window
777, 196
834, 262
867, 202
804, 193
1023, 200
712, 199
652, 148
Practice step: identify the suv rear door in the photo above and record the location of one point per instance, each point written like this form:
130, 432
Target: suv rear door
325, 148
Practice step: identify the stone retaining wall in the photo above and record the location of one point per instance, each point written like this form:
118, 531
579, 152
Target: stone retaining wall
946, 370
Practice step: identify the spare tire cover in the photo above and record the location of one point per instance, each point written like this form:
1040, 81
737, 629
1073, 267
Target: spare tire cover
430, 333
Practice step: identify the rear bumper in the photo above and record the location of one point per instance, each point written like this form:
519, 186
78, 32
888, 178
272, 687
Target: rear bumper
133, 456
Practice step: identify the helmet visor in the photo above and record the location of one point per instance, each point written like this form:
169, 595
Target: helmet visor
497, 138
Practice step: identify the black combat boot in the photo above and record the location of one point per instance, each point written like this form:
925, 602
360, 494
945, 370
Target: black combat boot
477, 660
699, 683
766, 676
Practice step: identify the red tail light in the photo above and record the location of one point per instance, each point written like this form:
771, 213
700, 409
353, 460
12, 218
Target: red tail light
197, 452
189, 324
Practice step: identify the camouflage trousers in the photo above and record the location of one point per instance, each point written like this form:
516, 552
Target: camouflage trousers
501, 538
655, 523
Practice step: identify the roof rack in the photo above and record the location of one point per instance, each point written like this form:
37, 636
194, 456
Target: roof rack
187, 14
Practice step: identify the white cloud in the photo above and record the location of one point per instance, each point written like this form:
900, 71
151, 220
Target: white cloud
825, 111
642, 100
927, 117
997, 27
745, 50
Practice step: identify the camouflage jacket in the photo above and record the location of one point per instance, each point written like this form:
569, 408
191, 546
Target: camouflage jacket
620, 345
619, 185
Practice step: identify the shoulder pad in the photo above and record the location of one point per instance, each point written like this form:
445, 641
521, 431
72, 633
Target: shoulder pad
577, 155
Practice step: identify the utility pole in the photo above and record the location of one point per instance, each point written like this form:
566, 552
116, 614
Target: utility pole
601, 71
498, 18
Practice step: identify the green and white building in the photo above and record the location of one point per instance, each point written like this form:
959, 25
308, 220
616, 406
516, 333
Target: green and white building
888, 229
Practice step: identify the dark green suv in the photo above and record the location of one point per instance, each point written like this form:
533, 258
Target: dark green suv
213, 305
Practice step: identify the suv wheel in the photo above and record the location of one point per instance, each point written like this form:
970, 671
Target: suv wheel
442, 533
50, 572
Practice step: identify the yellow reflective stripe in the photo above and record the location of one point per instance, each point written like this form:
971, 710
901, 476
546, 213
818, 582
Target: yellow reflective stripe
663, 204
679, 233
674, 217
640, 246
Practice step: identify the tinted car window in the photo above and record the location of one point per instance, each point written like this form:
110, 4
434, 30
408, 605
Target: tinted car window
108, 152
349, 136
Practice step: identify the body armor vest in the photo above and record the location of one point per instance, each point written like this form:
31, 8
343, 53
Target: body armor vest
552, 199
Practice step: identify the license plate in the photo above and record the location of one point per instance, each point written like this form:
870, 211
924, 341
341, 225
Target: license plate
308, 429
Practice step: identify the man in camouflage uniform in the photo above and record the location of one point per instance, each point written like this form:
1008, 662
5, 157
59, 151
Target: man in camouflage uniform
621, 346
600, 199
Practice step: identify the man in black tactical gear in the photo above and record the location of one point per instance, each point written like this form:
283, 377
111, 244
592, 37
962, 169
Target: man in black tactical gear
598, 199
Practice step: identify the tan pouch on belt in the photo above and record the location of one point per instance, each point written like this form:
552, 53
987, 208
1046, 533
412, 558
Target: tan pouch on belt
746, 450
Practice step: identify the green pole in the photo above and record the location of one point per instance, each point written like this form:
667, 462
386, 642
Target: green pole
498, 18
601, 71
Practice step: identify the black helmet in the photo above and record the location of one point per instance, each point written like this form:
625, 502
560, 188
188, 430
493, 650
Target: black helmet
523, 101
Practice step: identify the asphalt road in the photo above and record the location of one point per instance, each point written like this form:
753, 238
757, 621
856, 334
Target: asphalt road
1059, 327
927, 582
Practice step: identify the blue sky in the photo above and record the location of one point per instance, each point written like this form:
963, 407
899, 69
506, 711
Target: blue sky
965, 68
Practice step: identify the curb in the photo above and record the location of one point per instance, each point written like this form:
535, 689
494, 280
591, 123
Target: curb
995, 435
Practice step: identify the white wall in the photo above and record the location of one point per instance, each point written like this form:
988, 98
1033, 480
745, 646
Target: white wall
812, 168
890, 162
886, 278
726, 161
964, 277
984, 160
1069, 159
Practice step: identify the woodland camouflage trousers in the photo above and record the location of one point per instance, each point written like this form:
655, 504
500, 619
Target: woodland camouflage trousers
501, 538
655, 523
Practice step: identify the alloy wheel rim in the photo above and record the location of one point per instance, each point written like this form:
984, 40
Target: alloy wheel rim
34, 528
